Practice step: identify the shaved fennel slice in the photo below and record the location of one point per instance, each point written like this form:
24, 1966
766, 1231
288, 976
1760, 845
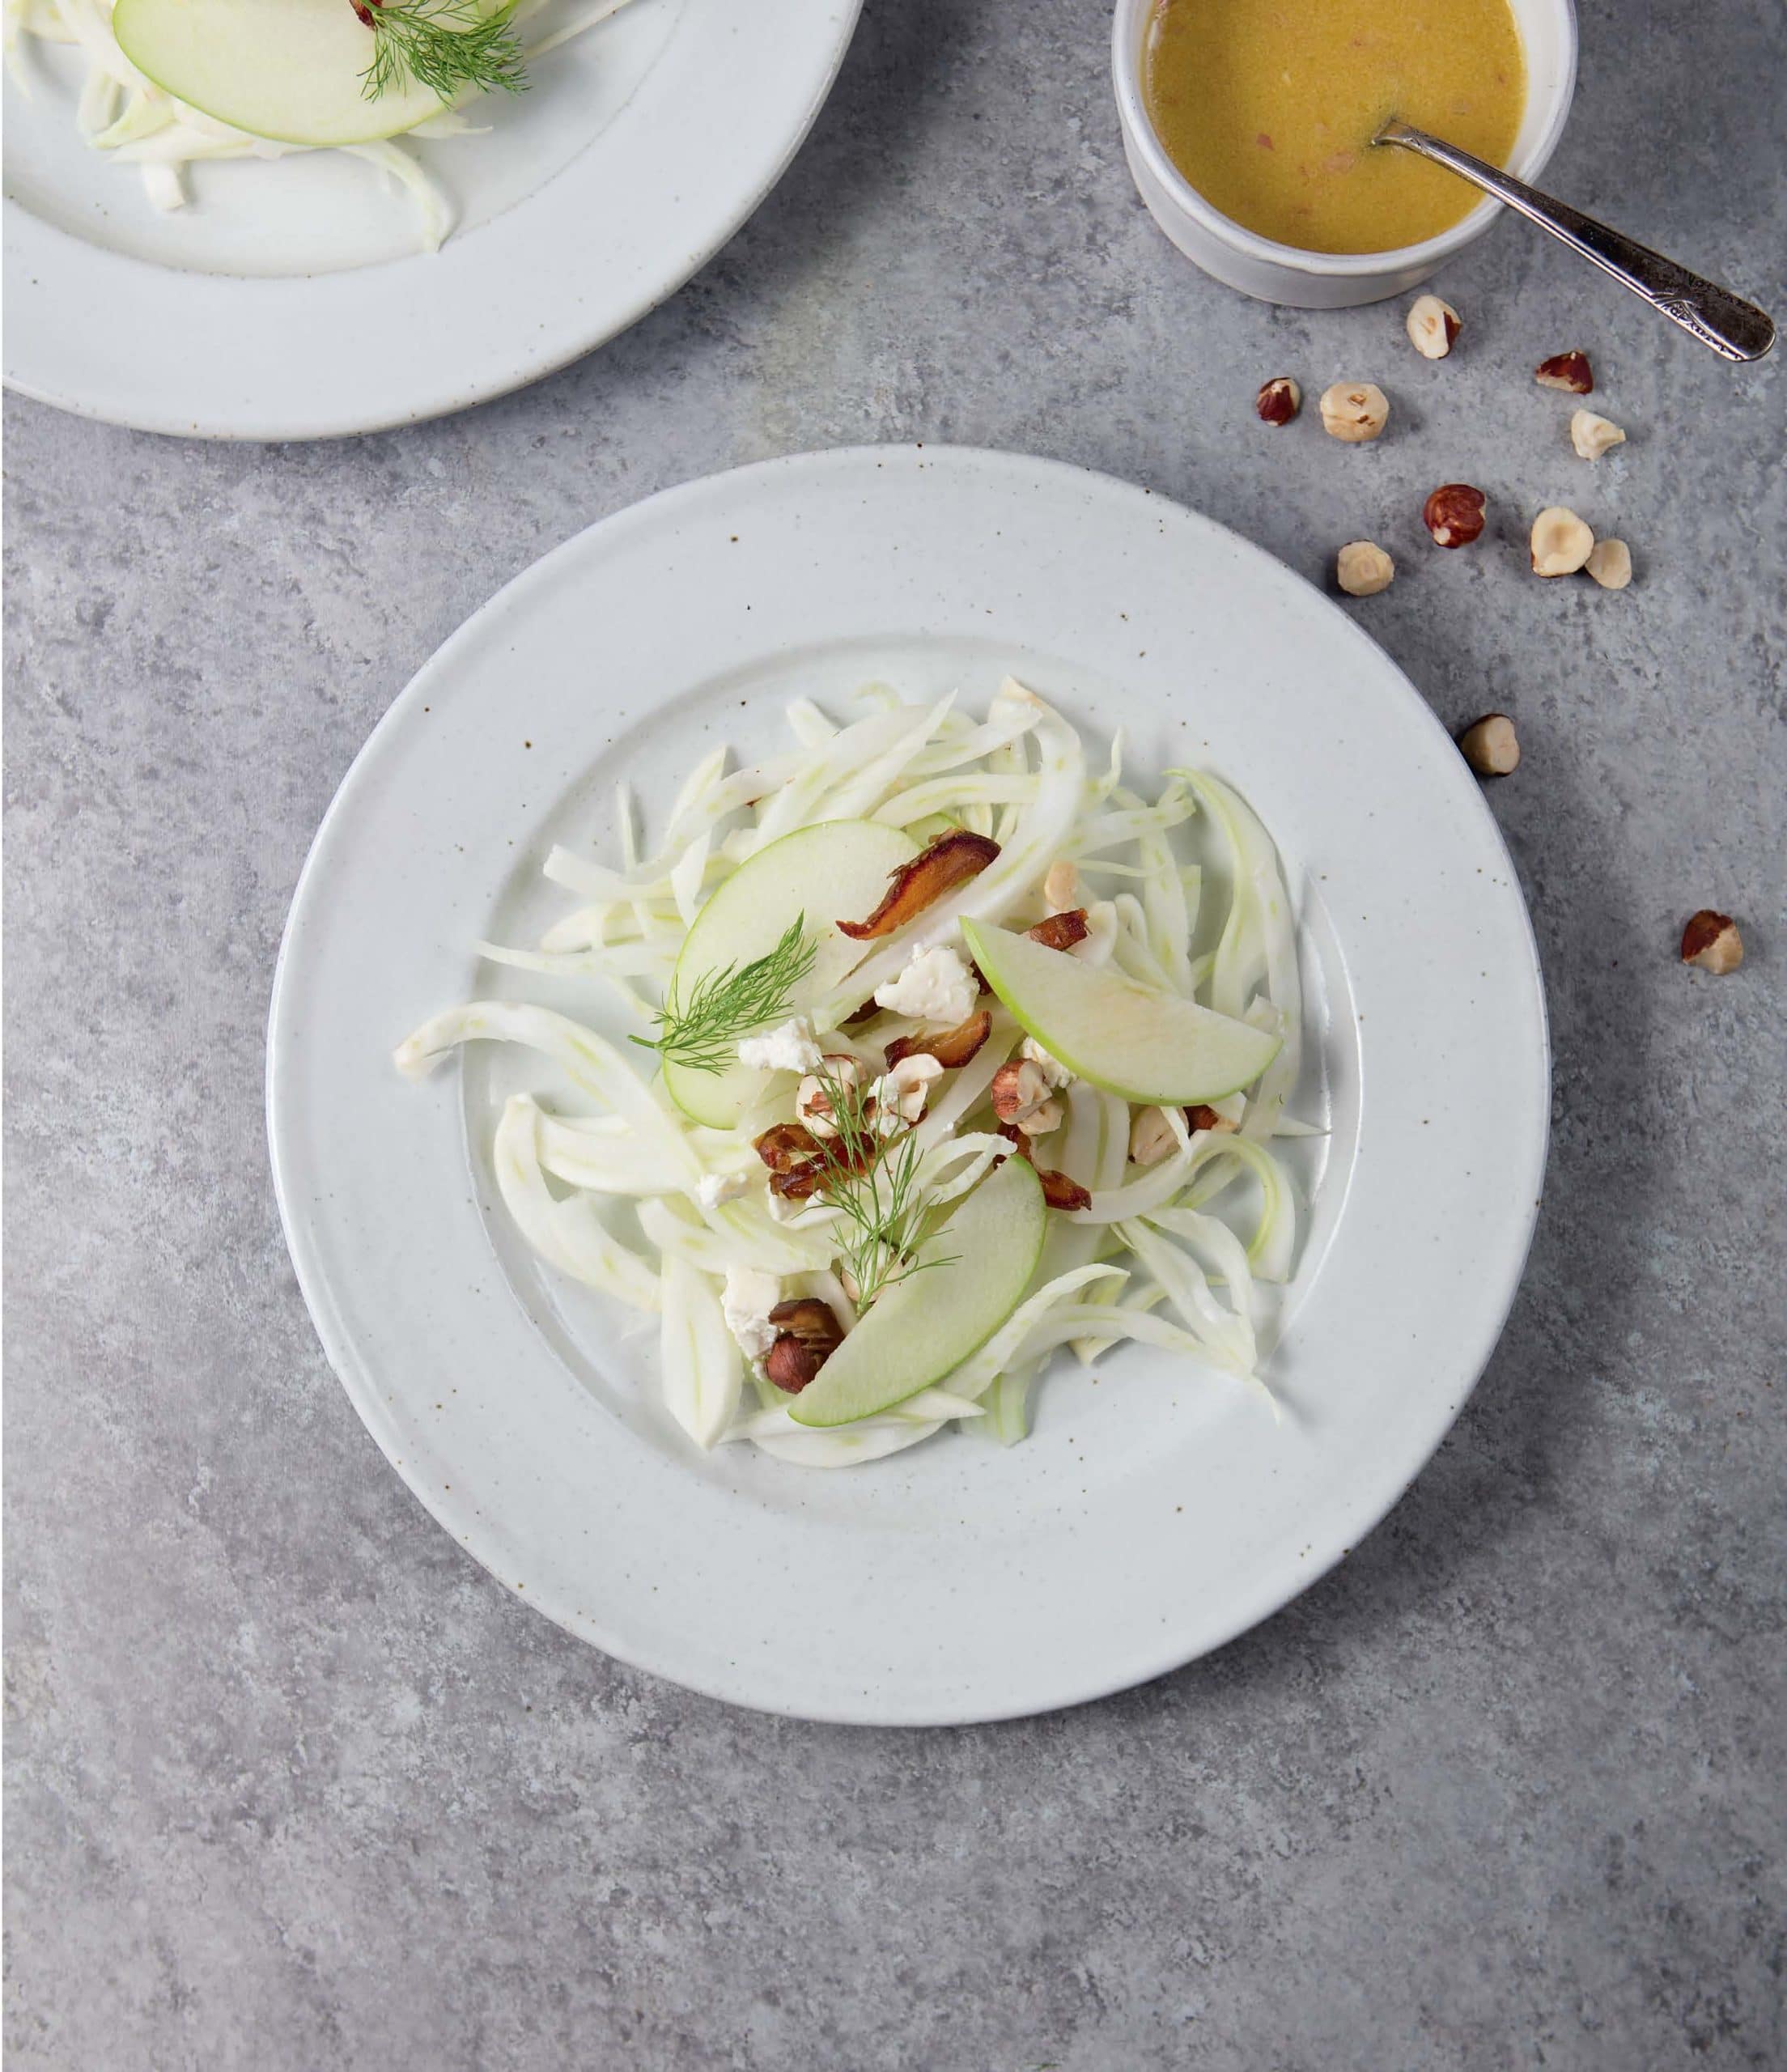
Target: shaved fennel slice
592, 1064
703, 1369
1041, 833
567, 1234
974, 1377
737, 1235
1226, 1335
1273, 1245
603, 1162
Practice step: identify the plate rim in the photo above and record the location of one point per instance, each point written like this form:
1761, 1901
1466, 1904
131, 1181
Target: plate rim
32, 362
1248, 1608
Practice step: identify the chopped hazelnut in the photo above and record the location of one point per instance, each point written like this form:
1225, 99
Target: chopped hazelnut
1569, 371
905, 1086
790, 1364
1354, 411
812, 1103
1362, 570
1453, 514
1490, 744
1562, 543
1061, 886
1203, 1117
1610, 564
1432, 326
1279, 400
1020, 1093
1593, 436
1152, 1137
1712, 941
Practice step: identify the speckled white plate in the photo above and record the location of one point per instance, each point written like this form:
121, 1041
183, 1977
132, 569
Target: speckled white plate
289, 300
1153, 1515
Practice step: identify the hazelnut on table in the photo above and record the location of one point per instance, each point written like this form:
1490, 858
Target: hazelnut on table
1561, 542
1610, 564
1279, 400
1490, 744
1362, 569
1455, 513
1569, 371
1592, 436
1354, 411
1712, 941
1432, 326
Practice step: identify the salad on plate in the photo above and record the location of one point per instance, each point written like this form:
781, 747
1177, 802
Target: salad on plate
946, 1058
171, 83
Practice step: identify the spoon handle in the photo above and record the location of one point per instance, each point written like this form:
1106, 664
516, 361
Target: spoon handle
1734, 329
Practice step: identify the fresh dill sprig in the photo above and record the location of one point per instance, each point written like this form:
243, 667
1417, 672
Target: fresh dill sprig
449, 46
872, 1178
702, 1033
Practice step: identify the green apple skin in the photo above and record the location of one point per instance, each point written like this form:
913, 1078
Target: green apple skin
1151, 1047
289, 70
837, 870
921, 1329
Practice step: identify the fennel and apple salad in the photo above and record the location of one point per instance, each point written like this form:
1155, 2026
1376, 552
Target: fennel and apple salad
944, 1062
172, 83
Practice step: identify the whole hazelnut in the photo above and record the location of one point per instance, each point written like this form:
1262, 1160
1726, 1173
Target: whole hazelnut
1453, 514
1712, 941
1569, 371
1561, 542
1490, 744
1279, 400
1593, 436
1610, 564
1354, 411
1362, 569
1432, 326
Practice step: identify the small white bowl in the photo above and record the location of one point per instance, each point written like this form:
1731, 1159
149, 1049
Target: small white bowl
1330, 280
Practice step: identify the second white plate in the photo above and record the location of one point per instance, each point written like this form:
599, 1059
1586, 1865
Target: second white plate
1153, 1513
288, 300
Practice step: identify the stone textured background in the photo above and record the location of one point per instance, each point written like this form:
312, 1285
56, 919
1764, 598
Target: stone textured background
293, 1786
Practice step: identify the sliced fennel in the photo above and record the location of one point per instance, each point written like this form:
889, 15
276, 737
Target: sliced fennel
174, 83
669, 1191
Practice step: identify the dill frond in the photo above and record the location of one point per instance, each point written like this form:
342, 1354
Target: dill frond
872, 1179
702, 1033
449, 46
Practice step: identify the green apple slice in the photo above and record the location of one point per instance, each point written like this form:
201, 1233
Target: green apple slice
286, 69
923, 1327
1149, 1046
837, 871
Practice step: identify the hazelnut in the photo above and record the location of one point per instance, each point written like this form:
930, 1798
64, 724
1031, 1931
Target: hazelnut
903, 1089
1561, 542
1490, 744
1362, 570
1569, 371
1593, 436
1354, 411
1152, 1137
1061, 886
1712, 941
1020, 1094
1205, 1118
1610, 564
812, 1103
1453, 514
790, 1364
1432, 326
1279, 400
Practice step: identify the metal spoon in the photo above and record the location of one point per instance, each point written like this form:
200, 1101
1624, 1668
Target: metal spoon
1735, 330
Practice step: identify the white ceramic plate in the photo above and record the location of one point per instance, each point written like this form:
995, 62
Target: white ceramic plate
288, 300
1153, 1513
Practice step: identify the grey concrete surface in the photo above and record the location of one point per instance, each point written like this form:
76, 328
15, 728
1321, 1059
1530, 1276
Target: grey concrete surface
293, 1786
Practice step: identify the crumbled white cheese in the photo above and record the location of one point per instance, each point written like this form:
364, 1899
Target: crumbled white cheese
749, 1296
935, 988
788, 1048
714, 1189
1053, 1071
